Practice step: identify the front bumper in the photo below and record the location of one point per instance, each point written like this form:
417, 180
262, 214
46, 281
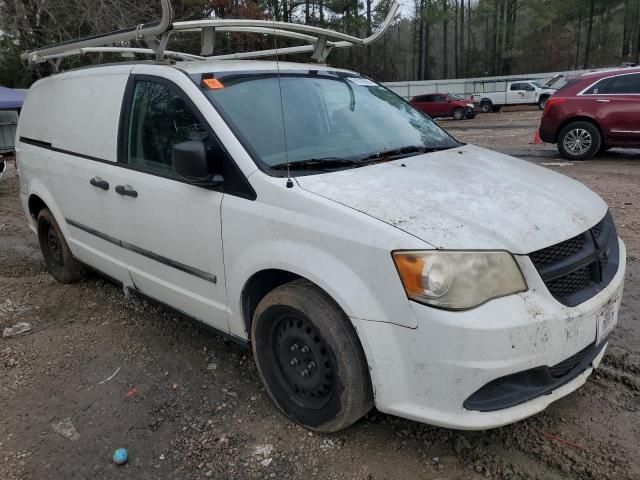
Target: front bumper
426, 374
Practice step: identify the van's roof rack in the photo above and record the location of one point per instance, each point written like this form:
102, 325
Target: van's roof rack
155, 35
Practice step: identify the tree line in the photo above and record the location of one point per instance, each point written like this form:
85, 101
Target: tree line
430, 39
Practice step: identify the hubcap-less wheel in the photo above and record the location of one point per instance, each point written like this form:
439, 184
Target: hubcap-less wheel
55, 250
309, 357
305, 369
458, 114
486, 107
577, 141
54, 247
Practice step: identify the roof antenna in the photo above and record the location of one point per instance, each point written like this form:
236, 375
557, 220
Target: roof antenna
284, 127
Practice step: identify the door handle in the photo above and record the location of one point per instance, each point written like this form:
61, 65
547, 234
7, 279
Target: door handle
98, 182
602, 100
126, 190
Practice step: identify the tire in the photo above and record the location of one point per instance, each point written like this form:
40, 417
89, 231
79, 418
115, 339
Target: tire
328, 387
55, 250
496, 108
542, 102
579, 141
604, 148
458, 114
486, 107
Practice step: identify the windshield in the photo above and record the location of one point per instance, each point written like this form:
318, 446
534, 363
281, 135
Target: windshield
535, 84
321, 116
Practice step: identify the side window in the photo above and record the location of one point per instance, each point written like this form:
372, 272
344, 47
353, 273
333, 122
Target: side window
159, 119
516, 86
600, 88
624, 84
428, 98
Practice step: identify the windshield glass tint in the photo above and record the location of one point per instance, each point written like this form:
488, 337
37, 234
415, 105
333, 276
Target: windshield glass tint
325, 117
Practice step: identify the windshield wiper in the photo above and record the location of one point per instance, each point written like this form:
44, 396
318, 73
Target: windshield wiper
324, 163
395, 153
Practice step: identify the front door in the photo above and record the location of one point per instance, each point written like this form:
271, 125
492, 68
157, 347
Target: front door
170, 228
519, 93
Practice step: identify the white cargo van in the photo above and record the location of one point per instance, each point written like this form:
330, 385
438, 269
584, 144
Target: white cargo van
365, 255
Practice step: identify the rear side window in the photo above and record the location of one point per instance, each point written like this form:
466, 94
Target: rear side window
160, 118
622, 84
517, 86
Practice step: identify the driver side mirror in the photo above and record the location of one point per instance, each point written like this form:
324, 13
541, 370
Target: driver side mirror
192, 161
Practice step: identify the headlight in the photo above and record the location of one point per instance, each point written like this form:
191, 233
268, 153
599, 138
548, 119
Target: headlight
470, 105
458, 280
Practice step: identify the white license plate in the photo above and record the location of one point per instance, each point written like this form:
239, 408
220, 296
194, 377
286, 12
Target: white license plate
607, 318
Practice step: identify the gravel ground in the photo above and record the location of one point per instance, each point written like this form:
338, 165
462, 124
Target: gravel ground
188, 404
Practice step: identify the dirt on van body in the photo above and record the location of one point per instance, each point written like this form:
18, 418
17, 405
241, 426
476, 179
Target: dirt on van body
99, 371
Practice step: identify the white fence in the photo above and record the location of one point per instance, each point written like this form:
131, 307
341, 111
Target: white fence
469, 86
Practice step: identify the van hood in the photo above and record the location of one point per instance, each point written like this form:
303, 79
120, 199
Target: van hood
467, 198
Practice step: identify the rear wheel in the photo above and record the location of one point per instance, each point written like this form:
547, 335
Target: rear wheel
458, 114
486, 107
55, 250
579, 141
309, 358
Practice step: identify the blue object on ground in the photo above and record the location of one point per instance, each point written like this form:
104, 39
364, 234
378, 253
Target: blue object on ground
120, 456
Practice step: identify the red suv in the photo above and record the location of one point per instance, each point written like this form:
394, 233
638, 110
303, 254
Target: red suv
444, 105
593, 113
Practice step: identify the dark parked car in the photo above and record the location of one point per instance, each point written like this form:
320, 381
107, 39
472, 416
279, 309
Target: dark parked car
593, 113
444, 105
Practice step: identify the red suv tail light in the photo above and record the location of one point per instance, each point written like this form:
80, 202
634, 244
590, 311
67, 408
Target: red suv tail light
553, 101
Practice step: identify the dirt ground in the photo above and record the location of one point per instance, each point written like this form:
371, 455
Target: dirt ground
100, 371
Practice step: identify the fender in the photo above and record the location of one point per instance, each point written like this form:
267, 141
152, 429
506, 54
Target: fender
338, 280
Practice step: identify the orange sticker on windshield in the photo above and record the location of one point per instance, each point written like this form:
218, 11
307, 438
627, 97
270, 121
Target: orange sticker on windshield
213, 83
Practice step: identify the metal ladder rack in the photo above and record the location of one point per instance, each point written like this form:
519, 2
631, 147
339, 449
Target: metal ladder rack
155, 35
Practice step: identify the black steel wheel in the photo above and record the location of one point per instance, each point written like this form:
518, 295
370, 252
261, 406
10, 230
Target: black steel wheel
305, 367
55, 250
309, 358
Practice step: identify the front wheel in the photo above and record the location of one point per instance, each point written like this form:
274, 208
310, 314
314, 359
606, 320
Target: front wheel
579, 141
543, 102
458, 114
309, 358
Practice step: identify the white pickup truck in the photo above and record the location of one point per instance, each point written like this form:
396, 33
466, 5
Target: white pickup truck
517, 93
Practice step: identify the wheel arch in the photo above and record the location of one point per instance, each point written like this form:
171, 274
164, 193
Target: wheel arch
580, 118
257, 287
38, 198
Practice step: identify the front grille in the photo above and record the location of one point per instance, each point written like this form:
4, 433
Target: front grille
559, 251
576, 269
565, 366
568, 284
597, 230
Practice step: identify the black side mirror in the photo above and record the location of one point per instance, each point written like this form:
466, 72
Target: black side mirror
192, 161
